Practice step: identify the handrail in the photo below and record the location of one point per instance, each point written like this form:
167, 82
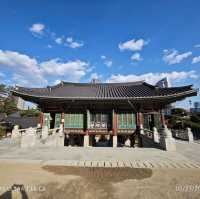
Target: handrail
38, 131
148, 130
148, 133
26, 129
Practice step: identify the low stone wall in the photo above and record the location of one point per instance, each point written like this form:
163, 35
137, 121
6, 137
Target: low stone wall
186, 134
33, 137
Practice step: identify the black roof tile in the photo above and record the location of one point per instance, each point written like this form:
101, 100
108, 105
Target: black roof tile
103, 91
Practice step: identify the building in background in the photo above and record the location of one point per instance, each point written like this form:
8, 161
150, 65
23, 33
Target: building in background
164, 83
196, 108
20, 103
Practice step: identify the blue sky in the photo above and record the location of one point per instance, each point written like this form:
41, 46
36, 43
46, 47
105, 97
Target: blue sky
42, 42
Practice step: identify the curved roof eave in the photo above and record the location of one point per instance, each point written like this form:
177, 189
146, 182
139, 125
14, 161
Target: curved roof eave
184, 94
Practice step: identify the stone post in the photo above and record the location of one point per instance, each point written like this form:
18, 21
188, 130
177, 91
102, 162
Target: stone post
190, 135
60, 136
29, 138
141, 129
45, 132
155, 135
127, 142
86, 140
167, 141
114, 140
97, 138
15, 132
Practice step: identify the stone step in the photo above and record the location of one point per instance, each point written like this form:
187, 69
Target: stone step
133, 164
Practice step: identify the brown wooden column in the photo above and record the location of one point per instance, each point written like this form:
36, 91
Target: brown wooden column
162, 118
41, 119
139, 119
62, 118
114, 123
88, 122
138, 139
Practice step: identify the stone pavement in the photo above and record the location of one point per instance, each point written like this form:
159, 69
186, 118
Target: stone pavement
186, 156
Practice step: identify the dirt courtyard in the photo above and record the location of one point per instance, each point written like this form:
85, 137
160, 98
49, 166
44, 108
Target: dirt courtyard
59, 182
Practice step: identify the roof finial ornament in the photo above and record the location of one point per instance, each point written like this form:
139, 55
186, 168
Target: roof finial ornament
95, 81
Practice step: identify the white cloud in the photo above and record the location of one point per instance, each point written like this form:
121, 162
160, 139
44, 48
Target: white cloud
196, 60
108, 63
152, 78
136, 57
29, 72
2, 75
37, 28
49, 46
133, 45
57, 81
21, 80
103, 57
95, 76
174, 57
73, 44
74, 70
59, 40
69, 39
197, 46
22, 66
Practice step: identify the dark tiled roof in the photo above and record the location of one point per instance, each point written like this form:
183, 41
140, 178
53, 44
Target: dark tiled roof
130, 90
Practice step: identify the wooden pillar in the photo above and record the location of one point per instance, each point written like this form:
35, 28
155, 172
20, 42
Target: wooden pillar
114, 115
88, 120
114, 137
86, 137
138, 139
162, 118
139, 119
41, 119
62, 118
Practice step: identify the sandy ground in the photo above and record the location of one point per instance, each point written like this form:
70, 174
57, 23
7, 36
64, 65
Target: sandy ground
59, 182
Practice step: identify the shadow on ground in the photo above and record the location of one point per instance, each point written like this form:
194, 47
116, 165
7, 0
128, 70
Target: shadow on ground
91, 183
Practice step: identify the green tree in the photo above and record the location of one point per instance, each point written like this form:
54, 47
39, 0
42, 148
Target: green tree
2, 131
9, 106
179, 111
30, 113
2, 87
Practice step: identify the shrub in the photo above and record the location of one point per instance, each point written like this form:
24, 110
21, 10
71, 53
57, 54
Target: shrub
2, 131
195, 118
179, 111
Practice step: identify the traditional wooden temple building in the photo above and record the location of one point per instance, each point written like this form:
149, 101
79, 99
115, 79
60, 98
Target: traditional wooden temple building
103, 110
